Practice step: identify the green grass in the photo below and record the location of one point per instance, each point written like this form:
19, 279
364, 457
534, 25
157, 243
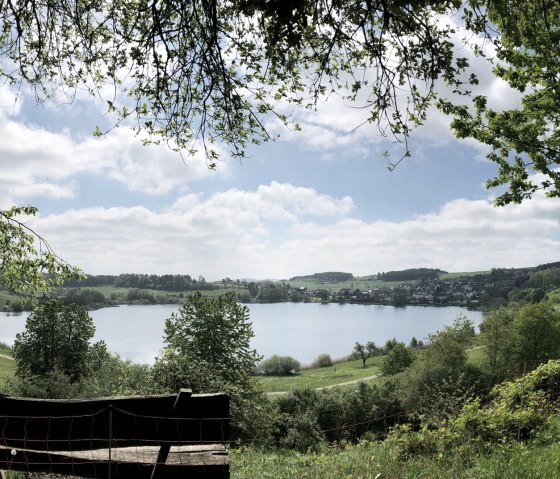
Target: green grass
7, 370
340, 372
344, 371
176, 297
365, 283
5, 349
375, 460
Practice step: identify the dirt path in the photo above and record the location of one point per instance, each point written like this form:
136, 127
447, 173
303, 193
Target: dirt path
354, 381
5, 356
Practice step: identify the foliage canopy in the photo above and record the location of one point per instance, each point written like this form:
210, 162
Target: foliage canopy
56, 336
209, 71
56, 359
207, 349
27, 262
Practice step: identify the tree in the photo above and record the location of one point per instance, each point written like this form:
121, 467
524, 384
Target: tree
389, 345
198, 75
496, 337
399, 298
278, 365
207, 349
56, 337
398, 359
364, 352
442, 362
188, 72
525, 139
323, 294
535, 335
24, 268
55, 358
448, 348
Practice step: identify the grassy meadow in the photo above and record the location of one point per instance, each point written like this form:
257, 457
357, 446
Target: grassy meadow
339, 372
7, 366
342, 372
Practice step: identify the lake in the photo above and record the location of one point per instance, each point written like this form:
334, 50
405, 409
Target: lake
300, 330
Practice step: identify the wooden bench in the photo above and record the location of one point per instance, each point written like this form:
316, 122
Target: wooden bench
165, 436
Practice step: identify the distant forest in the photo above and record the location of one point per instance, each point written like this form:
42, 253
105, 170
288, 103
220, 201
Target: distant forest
412, 274
328, 277
166, 282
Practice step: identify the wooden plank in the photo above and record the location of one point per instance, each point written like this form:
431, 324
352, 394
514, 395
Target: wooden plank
141, 420
208, 462
197, 406
182, 397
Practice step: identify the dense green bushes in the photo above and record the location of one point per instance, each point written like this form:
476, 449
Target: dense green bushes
399, 358
517, 409
306, 418
322, 361
278, 366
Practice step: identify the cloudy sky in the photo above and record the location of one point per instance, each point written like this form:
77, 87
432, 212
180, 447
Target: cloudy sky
318, 200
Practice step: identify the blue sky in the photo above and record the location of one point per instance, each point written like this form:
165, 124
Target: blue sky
317, 200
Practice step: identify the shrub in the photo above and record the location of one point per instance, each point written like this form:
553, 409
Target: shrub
398, 359
309, 417
278, 366
518, 410
322, 361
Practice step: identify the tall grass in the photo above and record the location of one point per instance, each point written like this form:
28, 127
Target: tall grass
7, 366
532, 460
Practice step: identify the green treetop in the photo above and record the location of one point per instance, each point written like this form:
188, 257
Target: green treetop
28, 264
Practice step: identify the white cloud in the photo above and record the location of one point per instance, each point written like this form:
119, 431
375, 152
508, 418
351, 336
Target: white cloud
235, 234
337, 124
40, 163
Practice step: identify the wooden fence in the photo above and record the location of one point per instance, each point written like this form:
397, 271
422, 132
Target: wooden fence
165, 436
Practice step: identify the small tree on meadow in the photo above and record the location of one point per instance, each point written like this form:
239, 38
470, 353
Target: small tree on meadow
365, 351
322, 361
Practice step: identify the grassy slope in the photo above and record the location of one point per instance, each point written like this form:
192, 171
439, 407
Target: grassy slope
341, 372
7, 370
365, 283
445, 276
7, 366
321, 377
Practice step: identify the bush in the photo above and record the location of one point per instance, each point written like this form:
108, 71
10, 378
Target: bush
322, 361
517, 410
398, 359
278, 366
309, 417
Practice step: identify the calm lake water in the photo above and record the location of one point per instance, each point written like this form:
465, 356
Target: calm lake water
300, 330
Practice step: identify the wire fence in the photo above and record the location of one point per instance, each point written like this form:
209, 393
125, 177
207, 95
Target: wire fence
113, 441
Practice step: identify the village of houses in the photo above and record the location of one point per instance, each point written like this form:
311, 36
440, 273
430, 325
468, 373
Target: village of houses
467, 291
